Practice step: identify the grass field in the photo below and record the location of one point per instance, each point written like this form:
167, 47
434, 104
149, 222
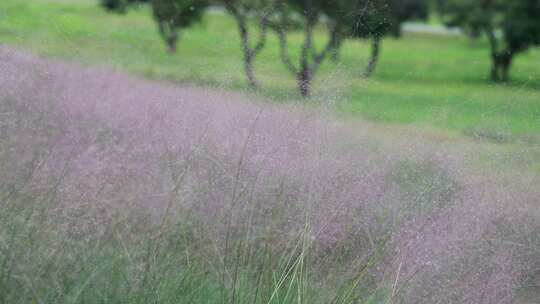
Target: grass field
422, 80
116, 189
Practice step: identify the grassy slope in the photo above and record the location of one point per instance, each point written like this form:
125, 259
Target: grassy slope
422, 79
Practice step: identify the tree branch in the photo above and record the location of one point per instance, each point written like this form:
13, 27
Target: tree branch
492, 39
308, 44
332, 42
263, 32
283, 46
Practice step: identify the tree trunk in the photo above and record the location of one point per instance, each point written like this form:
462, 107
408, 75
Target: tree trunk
505, 68
248, 58
501, 63
304, 82
494, 70
310, 60
171, 41
336, 49
249, 54
250, 75
501, 60
169, 33
375, 51
305, 73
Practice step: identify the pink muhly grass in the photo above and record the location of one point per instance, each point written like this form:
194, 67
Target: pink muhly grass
116, 142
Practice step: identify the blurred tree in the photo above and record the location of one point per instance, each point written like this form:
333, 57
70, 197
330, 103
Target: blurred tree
309, 12
468, 21
512, 27
243, 11
368, 19
374, 19
170, 15
118, 6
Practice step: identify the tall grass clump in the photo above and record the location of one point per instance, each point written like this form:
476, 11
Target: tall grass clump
115, 190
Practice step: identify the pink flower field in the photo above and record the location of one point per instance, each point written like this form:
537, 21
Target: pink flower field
115, 189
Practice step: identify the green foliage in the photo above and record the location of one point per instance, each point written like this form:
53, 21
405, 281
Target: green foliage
372, 19
465, 14
518, 20
170, 15
368, 18
178, 13
119, 6
257, 7
521, 24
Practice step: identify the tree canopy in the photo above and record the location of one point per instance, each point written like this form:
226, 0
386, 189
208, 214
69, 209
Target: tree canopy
119, 6
511, 27
170, 15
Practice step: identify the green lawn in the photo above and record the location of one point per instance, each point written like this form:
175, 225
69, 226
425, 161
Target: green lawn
424, 80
